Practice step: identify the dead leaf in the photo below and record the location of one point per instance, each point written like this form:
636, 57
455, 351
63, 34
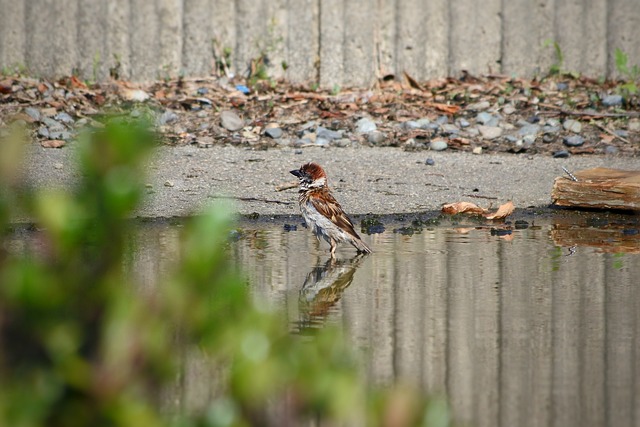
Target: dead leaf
503, 211
445, 108
412, 82
76, 83
53, 143
462, 207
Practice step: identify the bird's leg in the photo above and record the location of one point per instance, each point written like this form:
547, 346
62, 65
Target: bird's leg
333, 248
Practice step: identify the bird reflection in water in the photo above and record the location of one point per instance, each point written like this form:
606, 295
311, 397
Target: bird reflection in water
322, 289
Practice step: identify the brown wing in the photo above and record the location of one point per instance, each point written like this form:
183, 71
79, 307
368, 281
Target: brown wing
327, 205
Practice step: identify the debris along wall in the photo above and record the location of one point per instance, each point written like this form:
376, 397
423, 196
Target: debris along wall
330, 42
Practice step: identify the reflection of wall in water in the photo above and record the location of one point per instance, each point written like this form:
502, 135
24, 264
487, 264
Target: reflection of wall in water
516, 333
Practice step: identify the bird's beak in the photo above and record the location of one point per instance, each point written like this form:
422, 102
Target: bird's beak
296, 172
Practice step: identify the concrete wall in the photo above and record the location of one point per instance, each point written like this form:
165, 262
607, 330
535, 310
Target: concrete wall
333, 42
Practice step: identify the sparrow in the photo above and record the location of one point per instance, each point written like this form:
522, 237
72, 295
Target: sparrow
322, 213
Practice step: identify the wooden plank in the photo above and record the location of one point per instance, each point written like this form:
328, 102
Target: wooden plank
599, 188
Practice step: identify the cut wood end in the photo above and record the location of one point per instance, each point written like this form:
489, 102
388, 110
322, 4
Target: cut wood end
599, 188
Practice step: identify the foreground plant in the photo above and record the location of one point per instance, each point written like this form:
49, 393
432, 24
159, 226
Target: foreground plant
80, 346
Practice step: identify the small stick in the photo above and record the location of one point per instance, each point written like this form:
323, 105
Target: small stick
570, 174
612, 133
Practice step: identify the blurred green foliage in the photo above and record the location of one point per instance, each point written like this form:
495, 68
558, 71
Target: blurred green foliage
80, 345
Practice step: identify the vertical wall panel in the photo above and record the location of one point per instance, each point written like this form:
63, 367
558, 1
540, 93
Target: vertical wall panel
51, 36
474, 36
385, 36
223, 24
331, 42
144, 30
277, 36
13, 34
623, 26
92, 26
250, 30
526, 26
118, 48
410, 39
198, 38
359, 43
304, 40
170, 38
436, 56
580, 29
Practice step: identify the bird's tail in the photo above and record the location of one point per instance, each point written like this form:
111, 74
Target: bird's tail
360, 245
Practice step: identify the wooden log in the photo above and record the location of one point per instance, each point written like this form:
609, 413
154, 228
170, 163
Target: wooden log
599, 188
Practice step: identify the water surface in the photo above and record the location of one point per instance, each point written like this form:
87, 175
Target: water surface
530, 325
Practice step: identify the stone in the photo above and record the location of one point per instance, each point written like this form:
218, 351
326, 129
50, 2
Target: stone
52, 124
322, 142
205, 142
509, 109
634, 125
167, 117
477, 150
365, 125
622, 133
273, 133
376, 137
529, 130
424, 123
442, 120
231, 121
561, 154
438, 145
528, 140
450, 128
58, 166
169, 183
479, 106
572, 125
484, 117
551, 129
328, 133
60, 135
490, 132
43, 132
612, 100
64, 118
34, 113
343, 142
562, 86
202, 114
430, 162
410, 125
573, 141
463, 123
611, 150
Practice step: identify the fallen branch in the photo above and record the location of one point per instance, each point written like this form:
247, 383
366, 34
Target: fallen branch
610, 132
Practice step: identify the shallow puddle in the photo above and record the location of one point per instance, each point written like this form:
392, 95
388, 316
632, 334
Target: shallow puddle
533, 323
530, 325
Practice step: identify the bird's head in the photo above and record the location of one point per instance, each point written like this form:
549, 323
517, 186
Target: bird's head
311, 175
